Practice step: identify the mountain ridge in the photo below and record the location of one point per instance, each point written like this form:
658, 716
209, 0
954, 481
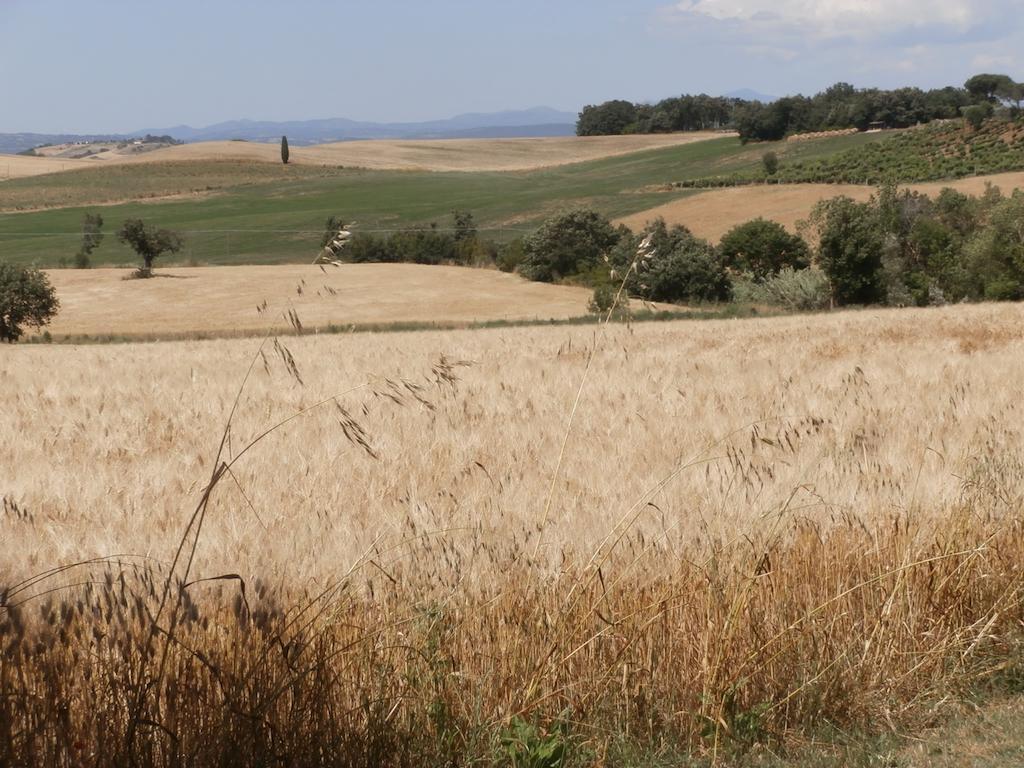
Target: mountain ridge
534, 122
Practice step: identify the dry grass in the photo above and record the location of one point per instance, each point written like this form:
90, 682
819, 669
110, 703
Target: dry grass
426, 155
20, 166
711, 214
231, 299
758, 527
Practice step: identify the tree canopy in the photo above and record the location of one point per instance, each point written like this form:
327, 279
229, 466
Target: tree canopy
26, 300
148, 242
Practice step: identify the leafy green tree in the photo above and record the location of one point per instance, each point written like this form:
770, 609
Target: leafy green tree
995, 255
566, 245
770, 161
673, 265
763, 248
92, 236
26, 299
988, 86
148, 242
850, 250
284, 150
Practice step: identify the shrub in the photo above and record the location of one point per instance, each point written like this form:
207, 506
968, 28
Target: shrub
797, 290
510, 255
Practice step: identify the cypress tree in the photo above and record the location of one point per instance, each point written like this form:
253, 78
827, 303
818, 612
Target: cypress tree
284, 150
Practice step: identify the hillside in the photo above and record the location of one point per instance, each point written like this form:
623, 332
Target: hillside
469, 155
225, 299
941, 150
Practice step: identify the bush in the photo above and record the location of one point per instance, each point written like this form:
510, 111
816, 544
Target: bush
797, 290
510, 255
763, 248
603, 303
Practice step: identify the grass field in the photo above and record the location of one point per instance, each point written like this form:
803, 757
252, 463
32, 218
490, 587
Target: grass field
218, 300
711, 214
257, 213
753, 530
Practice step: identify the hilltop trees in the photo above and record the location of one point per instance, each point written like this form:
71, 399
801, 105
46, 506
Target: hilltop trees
26, 299
610, 118
839, 106
149, 243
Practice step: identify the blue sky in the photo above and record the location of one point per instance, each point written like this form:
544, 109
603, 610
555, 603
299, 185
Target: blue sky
120, 66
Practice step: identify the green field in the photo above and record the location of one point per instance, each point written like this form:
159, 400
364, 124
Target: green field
242, 213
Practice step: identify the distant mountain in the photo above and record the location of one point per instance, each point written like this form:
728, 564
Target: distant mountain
540, 121
748, 95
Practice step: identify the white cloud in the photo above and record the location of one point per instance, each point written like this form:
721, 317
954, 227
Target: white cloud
844, 18
988, 61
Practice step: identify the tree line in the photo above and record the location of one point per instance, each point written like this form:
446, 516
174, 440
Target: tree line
900, 248
839, 107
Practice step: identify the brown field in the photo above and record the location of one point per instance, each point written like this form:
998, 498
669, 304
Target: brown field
751, 528
435, 155
711, 214
215, 300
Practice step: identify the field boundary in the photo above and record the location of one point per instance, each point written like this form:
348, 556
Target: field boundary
726, 312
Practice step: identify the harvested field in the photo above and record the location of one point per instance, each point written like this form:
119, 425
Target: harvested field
20, 166
433, 155
225, 299
752, 528
711, 214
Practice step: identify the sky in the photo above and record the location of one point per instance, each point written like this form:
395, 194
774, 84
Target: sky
73, 66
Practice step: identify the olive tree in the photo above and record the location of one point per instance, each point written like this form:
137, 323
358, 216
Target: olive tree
148, 242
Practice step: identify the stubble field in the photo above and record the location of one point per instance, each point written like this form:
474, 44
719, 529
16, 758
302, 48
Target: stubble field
182, 301
640, 540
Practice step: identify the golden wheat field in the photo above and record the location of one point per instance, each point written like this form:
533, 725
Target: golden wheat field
711, 214
211, 300
677, 536
470, 155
